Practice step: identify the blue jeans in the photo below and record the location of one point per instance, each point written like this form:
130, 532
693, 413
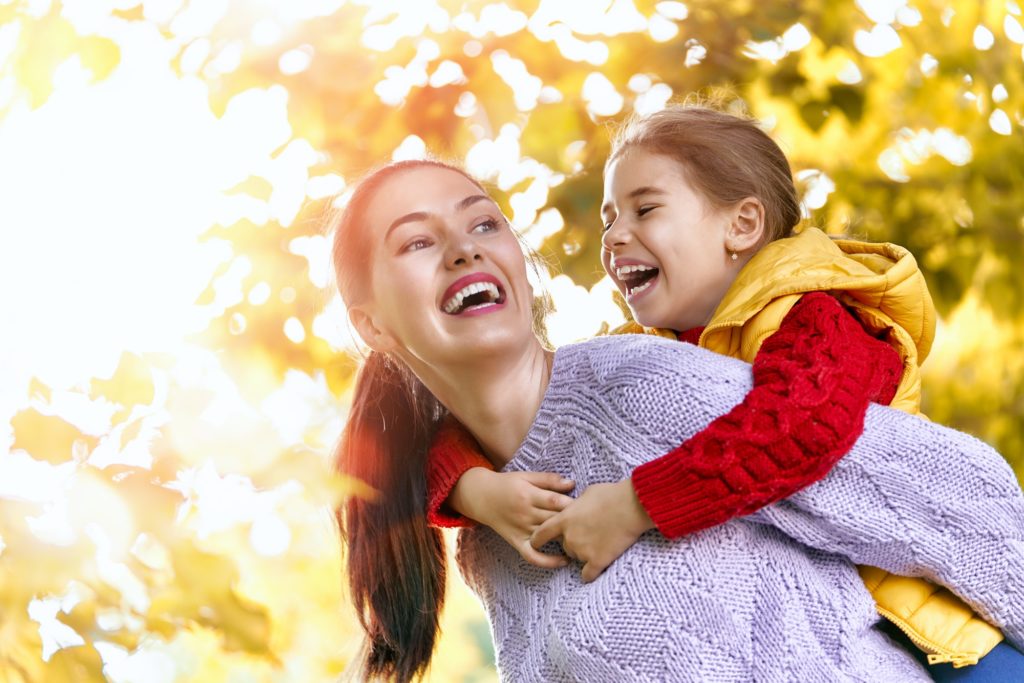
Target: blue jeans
1003, 664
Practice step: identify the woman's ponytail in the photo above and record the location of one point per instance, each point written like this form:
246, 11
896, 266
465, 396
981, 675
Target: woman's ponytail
396, 562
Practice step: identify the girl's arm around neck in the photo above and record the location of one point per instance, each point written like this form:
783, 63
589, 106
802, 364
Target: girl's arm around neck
813, 381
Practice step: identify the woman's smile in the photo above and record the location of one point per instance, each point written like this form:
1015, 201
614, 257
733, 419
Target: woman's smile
473, 294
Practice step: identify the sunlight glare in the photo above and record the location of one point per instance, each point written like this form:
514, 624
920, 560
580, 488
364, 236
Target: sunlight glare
983, 38
54, 633
662, 29
601, 96
580, 313
817, 186
525, 86
917, 146
677, 11
111, 263
1000, 122
881, 11
1013, 30
149, 662
879, 41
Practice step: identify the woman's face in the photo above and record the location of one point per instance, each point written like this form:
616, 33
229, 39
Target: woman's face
447, 275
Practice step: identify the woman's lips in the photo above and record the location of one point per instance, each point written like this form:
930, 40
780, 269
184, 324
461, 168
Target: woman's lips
482, 291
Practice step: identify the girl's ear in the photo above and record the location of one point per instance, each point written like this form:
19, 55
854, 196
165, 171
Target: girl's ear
376, 338
746, 230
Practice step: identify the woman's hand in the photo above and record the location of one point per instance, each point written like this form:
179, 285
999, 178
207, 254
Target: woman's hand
598, 526
513, 504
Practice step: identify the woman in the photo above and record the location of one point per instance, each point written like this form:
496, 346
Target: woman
435, 283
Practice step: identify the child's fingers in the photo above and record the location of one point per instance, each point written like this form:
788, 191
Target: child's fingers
550, 500
540, 516
550, 481
546, 532
591, 571
539, 559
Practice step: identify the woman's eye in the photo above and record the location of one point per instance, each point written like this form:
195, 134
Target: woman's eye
488, 225
416, 245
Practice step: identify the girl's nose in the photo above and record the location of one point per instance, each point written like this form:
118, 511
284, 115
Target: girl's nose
614, 236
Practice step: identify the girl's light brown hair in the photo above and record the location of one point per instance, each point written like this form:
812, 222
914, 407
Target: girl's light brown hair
725, 157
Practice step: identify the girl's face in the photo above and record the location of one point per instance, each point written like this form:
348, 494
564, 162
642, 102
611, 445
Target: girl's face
664, 246
447, 275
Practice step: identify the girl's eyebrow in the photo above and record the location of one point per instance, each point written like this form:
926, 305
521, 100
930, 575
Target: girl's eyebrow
461, 205
638, 192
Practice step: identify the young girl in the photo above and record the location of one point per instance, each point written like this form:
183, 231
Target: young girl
699, 214
434, 282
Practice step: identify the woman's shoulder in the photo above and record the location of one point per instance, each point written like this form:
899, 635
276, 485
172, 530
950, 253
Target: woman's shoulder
623, 355
620, 350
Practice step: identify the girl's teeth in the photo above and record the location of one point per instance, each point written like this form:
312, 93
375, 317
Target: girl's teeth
637, 290
626, 270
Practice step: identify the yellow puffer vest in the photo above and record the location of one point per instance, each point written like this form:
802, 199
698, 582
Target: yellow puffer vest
883, 286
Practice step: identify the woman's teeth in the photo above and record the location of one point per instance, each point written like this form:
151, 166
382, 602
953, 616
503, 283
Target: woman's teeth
454, 304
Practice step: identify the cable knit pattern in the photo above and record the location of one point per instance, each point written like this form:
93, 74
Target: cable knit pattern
770, 597
813, 381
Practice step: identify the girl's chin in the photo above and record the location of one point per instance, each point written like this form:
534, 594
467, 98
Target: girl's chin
651, 322
643, 315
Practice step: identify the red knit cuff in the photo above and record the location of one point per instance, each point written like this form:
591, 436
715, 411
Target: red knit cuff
452, 454
678, 500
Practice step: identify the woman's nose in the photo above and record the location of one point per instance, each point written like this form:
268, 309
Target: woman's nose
462, 252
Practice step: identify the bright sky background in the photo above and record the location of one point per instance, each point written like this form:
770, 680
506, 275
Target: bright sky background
107, 189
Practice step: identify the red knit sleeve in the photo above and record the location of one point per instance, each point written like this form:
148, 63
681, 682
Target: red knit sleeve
453, 452
813, 381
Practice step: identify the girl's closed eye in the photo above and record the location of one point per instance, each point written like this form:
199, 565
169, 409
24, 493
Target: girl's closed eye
644, 210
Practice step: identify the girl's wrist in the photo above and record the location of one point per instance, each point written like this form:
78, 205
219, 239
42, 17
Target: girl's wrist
637, 520
461, 499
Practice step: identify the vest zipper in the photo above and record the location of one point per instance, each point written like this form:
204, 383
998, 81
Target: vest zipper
936, 653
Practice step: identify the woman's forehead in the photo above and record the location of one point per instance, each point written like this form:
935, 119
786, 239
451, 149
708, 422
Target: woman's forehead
427, 189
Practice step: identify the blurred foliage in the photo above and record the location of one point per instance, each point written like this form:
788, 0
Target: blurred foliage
188, 537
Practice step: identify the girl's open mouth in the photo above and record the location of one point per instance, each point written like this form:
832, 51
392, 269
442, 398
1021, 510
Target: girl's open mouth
636, 279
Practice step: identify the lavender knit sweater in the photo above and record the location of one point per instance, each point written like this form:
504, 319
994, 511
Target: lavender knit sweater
770, 597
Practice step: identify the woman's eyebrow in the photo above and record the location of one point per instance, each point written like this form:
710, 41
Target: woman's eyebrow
407, 218
461, 205
469, 201
638, 192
